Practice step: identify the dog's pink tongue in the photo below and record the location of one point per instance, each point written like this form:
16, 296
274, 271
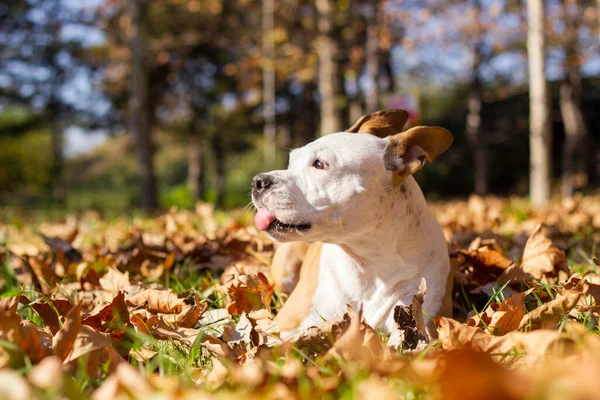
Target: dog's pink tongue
263, 219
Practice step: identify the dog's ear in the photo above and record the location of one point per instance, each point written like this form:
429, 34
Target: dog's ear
381, 123
408, 151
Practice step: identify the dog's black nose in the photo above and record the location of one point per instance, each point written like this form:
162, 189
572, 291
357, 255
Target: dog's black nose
261, 182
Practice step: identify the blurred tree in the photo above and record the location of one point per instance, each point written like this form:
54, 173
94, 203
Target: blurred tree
268, 47
373, 18
540, 128
327, 46
574, 152
480, 32
140, 107
37, 65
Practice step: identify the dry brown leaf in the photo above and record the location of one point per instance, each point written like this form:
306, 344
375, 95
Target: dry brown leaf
549, 314
164, 331
50, 313
142, 355
191, 313
157, 301
509, 314
87, 341
486, 257
216, 346
248, 293
266, 330
114, 280
471, 375
48, 374
410, 333
454, 335
44, 277
241, 333
319, 339
125, 382
113, 317
169, 261
540, 255
64, 340
531, 346
13, 386
483, 319
10, 304
360, 344
30, 340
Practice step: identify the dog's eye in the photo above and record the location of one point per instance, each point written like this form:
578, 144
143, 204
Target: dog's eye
318, 164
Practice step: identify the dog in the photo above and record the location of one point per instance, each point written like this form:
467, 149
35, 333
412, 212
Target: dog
373, 238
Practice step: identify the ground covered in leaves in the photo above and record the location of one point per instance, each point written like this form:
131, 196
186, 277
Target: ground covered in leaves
181, 306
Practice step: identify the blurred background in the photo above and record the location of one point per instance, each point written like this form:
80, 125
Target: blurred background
116, 105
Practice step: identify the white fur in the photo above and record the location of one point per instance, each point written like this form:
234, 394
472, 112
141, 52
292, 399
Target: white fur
380, 240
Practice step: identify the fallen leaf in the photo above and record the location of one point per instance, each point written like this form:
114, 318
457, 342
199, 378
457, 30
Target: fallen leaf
125, 382
320, 338
48, 374
63, 250
509, 314
13, 386
549, 314
360, 344
540, 255
113, 317
50, 313
410, 333
159, 301
471, 375
64, 340
87, 341
486, 257
248, 293
114, 280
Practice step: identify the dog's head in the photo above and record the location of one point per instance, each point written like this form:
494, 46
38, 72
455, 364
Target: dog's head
333, 185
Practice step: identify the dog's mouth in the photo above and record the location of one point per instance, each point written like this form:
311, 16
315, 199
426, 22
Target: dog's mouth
267, 222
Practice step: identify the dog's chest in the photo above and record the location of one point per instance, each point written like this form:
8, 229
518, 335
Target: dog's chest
342, 282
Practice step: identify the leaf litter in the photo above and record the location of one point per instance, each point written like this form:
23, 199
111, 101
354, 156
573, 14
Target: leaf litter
182, 306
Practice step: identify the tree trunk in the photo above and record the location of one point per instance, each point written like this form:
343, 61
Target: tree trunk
140, 109
570, 106
473, 125
328, 53
475, 138
270, 128
195, 167
355, 110
219, 170
540, 128
284, 141
309, 115
372, 58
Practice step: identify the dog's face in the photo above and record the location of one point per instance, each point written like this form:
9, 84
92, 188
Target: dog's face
324, 191
334, 187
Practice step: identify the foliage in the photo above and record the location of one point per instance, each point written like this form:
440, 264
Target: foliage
180, 306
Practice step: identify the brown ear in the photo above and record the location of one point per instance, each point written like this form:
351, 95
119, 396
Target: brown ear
408, 151
381, 123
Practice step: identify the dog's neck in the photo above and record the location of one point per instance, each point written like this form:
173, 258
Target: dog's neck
393, 248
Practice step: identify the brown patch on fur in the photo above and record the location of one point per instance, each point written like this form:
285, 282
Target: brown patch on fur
298, 306
381, 123
286, 264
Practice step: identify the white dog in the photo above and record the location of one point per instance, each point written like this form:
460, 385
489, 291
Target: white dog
352, 195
